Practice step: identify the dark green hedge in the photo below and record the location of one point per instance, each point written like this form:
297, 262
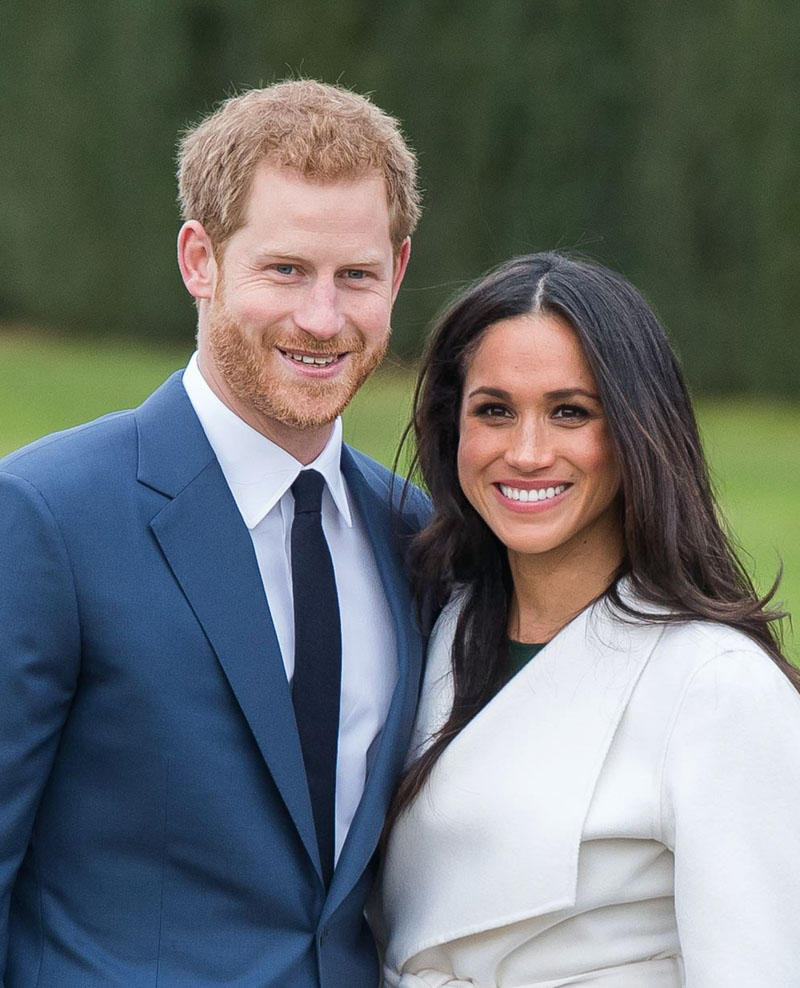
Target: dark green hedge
659, 137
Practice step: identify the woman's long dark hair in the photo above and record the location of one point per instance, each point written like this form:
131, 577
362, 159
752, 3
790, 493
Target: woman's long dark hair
677, 556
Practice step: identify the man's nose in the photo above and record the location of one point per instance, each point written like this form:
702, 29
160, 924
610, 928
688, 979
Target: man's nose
318, 313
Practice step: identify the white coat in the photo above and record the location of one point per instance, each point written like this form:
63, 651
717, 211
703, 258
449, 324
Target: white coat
624, 813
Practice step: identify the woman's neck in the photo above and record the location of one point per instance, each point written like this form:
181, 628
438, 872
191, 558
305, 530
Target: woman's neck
551, 589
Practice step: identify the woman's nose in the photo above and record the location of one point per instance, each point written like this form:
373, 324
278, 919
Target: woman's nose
530, 448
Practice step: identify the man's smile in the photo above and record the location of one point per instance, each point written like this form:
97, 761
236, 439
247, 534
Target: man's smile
318, 360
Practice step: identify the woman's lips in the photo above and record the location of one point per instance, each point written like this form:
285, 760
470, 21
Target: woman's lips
531, 495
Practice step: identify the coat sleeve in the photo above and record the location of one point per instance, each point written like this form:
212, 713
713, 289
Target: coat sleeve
731, 804
39, 658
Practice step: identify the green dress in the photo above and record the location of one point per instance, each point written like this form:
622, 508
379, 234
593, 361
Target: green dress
520, 654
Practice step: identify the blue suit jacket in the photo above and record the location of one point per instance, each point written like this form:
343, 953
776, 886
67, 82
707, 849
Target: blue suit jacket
155, 825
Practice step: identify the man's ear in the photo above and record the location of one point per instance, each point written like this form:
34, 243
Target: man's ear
196, 260
400, 265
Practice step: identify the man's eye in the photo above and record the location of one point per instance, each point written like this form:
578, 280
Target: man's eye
356, 274
285, 268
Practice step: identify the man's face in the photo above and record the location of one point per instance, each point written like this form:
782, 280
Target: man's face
299, 314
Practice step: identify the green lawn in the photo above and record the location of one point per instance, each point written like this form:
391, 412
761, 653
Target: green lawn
753, 446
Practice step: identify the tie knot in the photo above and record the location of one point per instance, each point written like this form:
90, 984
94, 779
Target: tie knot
307, 491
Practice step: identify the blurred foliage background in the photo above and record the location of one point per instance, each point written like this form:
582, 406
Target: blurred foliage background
660, 138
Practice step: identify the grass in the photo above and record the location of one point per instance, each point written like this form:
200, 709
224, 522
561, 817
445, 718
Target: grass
48, 384
754, 450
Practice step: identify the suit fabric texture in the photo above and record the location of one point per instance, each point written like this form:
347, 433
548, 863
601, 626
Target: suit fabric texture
624, 813
155, 823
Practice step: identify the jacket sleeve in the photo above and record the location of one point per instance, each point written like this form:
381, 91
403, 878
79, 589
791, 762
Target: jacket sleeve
731, 804
39, 658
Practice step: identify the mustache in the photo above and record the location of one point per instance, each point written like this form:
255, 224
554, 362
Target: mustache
222, 322
325, 348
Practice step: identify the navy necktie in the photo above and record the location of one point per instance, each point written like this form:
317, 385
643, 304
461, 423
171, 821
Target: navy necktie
317, 658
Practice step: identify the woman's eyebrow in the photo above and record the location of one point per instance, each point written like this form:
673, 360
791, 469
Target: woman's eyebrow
492, 392
563, 393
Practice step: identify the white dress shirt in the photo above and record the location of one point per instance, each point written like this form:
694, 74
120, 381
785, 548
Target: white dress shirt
260, 474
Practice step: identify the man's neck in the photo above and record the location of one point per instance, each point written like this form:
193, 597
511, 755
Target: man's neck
304, 445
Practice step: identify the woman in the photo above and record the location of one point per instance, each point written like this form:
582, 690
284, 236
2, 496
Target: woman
606, 788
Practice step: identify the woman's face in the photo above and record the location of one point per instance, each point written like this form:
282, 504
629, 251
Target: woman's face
534, 457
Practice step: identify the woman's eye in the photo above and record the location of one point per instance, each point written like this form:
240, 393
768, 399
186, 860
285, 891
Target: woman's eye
492, 411
570, 412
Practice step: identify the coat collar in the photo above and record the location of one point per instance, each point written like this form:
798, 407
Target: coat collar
173, 448
473, 853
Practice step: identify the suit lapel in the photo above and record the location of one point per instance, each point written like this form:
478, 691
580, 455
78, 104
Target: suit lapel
383, 528
211, 555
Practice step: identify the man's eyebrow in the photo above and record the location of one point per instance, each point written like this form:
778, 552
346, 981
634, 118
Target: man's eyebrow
367, 260
289, 255
276, 254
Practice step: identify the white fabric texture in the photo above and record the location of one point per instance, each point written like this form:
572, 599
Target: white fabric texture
625, 813
260, 474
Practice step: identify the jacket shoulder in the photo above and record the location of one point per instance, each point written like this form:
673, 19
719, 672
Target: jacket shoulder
74, 455
410, 503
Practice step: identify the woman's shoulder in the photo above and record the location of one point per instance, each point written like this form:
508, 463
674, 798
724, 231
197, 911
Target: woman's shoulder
695, 648
445, 627
436, 699
709, 682
710, 650
440, 643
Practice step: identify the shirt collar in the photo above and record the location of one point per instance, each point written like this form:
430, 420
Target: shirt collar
257, 470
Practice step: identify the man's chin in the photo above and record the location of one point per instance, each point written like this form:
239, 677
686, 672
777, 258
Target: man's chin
310, 405
307, 415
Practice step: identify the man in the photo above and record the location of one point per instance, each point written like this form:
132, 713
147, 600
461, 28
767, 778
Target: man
179, 772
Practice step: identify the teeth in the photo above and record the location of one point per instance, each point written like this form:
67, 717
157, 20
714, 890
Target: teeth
316, 361
523, 494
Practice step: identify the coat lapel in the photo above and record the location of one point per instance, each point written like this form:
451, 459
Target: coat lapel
383, 525
211, 555
494, 838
